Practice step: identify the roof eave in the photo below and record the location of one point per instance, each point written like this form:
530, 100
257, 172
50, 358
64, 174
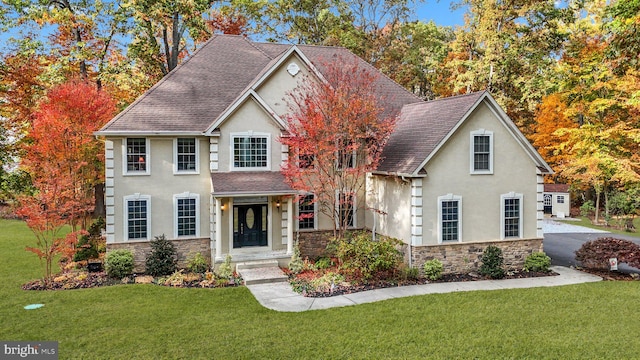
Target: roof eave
124, 133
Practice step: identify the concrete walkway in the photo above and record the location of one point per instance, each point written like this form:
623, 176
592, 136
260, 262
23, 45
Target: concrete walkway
280, 296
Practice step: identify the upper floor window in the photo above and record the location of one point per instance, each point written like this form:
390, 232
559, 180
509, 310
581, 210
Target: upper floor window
306, 212
511, 215
137, 216
186, 155
346, 157
450, 218
481, 152
186, 214
136, 156
306, 161
250, 151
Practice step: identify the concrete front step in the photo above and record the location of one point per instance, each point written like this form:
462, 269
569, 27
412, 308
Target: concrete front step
256, 264
262, 275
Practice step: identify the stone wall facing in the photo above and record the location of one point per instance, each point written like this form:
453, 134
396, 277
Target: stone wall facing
184, 248
313, 243
465, 257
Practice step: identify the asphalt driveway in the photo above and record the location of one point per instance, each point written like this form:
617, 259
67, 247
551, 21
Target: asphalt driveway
561, 241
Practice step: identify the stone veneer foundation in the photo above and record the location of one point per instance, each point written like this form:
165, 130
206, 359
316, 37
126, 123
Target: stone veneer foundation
465, 257
312, 244
184, 248
456, 258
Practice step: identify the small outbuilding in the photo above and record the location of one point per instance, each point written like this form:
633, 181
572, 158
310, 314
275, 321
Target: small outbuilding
556, 200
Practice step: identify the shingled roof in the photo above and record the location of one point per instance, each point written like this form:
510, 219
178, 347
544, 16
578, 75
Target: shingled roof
421, 128
197, 92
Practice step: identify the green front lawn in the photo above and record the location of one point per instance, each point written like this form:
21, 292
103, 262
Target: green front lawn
598, 320
586, 222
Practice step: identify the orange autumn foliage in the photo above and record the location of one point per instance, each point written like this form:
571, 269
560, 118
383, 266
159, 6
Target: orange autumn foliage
550, 116
65, 162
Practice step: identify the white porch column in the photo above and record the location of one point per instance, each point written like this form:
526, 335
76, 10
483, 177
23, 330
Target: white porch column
218, 229
290, 225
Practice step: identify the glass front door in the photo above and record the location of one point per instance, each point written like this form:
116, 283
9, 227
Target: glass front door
249, 225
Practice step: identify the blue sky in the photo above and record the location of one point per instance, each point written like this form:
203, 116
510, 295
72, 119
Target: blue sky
437, 10
440, 12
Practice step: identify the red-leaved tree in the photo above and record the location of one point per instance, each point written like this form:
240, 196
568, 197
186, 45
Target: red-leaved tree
65, 162
337, 130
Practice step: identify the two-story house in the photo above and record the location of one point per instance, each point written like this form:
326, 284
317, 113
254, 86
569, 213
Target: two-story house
197, 158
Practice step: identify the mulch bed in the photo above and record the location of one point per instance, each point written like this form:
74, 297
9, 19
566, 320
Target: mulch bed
609, 275
85, 280
343, 289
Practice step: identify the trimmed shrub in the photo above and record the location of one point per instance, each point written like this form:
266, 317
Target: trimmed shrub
162, 260
197, 264
119, 263
537, 261
357, 252
433, 269
596, 254
492, 261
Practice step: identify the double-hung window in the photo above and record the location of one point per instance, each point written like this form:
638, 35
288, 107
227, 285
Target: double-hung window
346, 209
306, 213
511, 215
186, 156
250, 151
137, 216
186, 215
449, 218
136, 156
481, 152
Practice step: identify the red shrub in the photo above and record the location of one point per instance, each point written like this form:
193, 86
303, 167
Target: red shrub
596, 254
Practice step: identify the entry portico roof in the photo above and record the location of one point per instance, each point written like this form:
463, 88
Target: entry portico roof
245, 183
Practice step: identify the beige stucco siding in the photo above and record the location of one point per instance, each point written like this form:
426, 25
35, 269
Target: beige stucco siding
275, 91
249, 118
161, 185
392, 197
449, 173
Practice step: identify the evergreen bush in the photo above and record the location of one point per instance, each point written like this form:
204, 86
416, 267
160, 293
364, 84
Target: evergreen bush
492, 261
162, 260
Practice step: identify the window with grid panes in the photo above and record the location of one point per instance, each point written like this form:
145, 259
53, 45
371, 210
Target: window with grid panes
306, 212
250, 152
511, 217
187, 216
136, 154
450, 219
186, 154
346, 209
137, 219
481, 152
